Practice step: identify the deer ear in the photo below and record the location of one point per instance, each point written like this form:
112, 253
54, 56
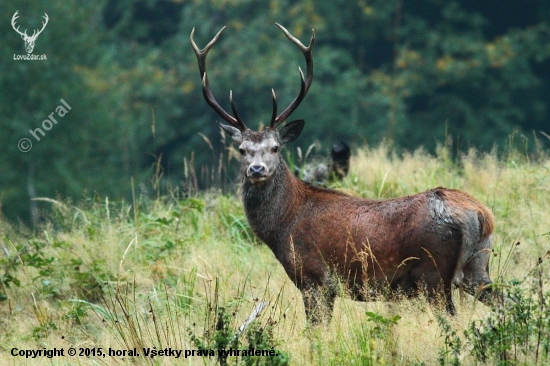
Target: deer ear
235, 133
291, 131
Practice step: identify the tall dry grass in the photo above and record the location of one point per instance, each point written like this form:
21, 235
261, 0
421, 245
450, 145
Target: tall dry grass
184, 270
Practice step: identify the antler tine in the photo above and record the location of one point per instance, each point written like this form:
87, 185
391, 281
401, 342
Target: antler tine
45, 16
210, 99
234, 109
37, 32
305, 82
274, 114
13, 21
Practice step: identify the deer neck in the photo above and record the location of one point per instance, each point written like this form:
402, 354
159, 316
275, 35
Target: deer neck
272, 206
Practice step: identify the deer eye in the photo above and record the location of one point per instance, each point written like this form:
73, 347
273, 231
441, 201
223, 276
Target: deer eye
242, 152
275, 149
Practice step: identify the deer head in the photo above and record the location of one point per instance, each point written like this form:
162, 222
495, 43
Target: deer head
260, 150
29, 40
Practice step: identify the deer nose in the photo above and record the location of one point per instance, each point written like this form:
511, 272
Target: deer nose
256, 170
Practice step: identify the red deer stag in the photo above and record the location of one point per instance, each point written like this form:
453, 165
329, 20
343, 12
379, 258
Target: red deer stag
322, 237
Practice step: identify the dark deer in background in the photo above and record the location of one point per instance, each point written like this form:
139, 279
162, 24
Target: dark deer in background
428, 241
320, 173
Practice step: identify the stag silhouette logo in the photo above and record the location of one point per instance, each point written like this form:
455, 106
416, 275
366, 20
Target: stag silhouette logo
29, 40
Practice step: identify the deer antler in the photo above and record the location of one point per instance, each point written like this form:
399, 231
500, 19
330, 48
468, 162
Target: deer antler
13, 19
201, 58
24, 34
34, 36
236, 121
306, 83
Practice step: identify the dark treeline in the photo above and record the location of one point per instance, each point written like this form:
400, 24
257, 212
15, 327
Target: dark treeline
410, 72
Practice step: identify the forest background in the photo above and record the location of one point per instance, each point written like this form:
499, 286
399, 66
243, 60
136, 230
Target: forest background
411, 73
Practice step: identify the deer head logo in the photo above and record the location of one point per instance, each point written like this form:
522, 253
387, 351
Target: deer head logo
29, 40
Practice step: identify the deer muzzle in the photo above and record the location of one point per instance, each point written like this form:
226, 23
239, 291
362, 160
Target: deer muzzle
257, 173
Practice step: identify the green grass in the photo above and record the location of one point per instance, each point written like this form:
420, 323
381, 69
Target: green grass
186, 272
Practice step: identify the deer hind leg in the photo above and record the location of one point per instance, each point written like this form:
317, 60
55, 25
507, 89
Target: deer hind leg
437, 282
318, 302
434, 290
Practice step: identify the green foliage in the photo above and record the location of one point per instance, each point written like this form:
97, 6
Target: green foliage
84, 146
31, 255
89, 280
412, 73
163, 234
518, 331
220, 331
450, 353
217, 335
262, 339
39, 260
383, 325
187, 289
78, 313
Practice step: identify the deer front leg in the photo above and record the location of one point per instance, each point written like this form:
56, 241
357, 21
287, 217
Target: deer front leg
317, 285
318, 302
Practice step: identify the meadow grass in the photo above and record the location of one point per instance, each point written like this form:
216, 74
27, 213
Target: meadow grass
186, 271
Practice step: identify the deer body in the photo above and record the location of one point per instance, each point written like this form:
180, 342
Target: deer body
324, 238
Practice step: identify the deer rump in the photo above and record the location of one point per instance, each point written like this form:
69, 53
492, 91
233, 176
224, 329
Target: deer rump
435, 238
